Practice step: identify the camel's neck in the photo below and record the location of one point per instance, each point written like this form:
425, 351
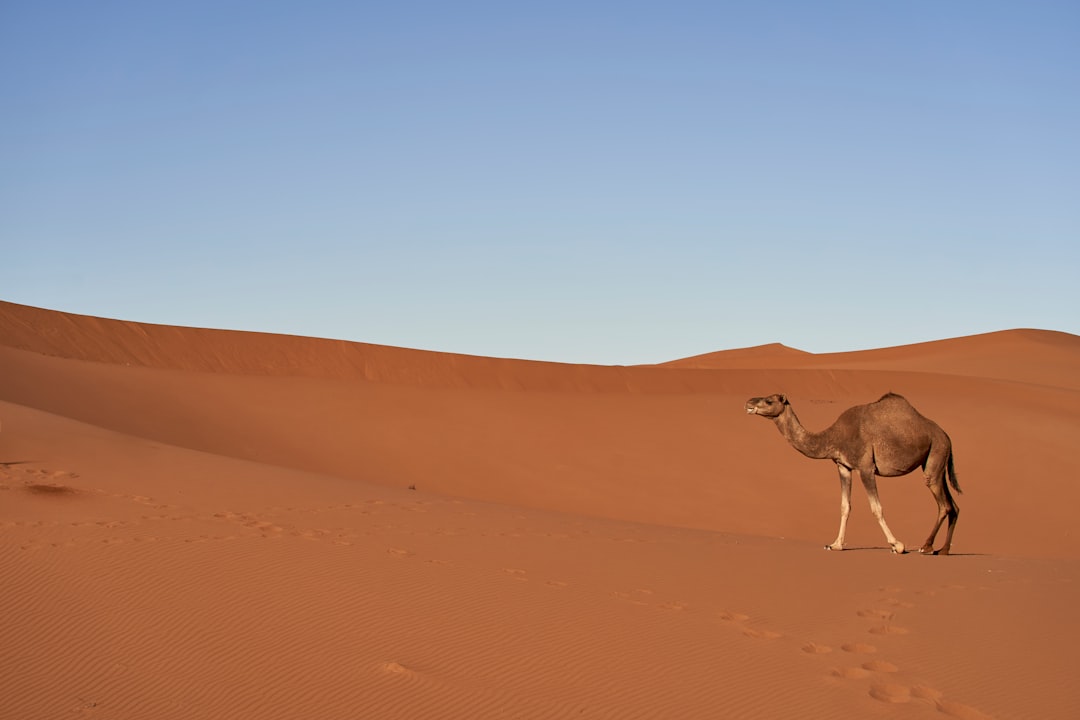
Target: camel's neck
812, 445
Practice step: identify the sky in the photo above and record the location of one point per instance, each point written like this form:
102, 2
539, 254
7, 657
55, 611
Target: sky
584, 182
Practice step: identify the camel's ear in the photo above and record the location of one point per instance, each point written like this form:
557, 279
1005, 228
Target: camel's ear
783, 399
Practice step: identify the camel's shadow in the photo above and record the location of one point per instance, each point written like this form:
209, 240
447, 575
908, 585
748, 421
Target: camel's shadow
879, 548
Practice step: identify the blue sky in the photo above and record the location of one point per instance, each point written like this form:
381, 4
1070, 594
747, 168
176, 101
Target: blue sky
602, 182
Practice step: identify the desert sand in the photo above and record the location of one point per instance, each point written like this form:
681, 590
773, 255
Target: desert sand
218, 524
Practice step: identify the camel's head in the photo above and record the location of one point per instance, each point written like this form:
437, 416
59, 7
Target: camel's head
769, 407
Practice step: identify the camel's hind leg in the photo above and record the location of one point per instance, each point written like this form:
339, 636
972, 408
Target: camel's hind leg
947, 508
869, 481
845, 507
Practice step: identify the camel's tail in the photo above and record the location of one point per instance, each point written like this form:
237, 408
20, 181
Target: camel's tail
951, 469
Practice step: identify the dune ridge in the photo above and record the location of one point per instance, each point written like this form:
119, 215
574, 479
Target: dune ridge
1050, 357
205, 523
1042, 357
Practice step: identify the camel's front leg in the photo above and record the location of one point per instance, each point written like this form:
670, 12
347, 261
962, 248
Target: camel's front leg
845, 506
870, 483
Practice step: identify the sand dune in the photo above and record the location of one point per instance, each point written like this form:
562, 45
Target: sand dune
1037, 357
201, 523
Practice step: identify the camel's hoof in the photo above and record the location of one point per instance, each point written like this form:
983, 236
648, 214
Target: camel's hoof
833, 547
927, 550
899, 549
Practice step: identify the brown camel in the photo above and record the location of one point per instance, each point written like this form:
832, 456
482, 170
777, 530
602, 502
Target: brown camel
887, 438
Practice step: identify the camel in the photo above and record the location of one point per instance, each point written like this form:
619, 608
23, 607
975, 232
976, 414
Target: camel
887, 438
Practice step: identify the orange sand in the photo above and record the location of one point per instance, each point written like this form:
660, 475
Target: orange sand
211, 524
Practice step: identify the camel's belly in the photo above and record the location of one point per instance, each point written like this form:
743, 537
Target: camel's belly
893, 461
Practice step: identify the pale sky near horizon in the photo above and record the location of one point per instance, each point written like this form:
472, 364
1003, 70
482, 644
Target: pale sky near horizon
601, 182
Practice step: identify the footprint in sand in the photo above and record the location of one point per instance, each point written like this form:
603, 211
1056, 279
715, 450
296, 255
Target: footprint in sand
517, 573
850, 673
50, 489
636, 597
815, 649
887, 629
393, 668
890, 693
730, 616
880, 666
398, 552
898, 603
677, 605
926, 693
877, 613
264, 525
858, 648
895, 693
961, 711
761, 634
557, 583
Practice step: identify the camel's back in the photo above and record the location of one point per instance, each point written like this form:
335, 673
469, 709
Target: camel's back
893, 417
890, 433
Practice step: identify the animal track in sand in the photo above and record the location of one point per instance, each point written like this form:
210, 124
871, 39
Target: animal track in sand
877, 613
398, 552
961, 711
880, 666
315, 534
633, 597
436, 561
730, 616
761, 634
674, 605
43, 473
858, 648
897, 693
926, 693
850, 673
815, 649
898, 603
886, 629
49, 489
394, 668
41, 482
890, 693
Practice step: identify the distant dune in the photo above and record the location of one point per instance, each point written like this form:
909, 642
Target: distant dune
203, 524
1000, 355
